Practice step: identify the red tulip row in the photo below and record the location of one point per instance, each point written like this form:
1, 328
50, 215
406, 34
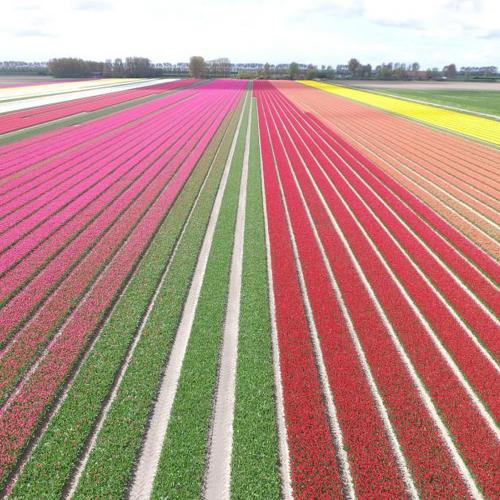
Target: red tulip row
312, 454
365, 431
43, 114
472, 361
473, 266
88, 291
321, 172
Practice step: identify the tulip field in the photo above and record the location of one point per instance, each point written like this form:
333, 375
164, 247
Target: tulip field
36, 115
468, 125
225, 289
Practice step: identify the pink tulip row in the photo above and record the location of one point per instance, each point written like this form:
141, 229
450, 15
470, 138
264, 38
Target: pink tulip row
35, 116
24, 153
35, 188
17, 357
81, 217
17, 224
132, 168
99, 216
34, 154
110, 262
140, 169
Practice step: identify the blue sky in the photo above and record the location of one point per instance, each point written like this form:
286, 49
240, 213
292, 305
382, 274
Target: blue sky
432, 32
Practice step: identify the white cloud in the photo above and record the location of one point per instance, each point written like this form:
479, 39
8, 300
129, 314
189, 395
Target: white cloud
452, 17
433, 32
475, 17
93, 5
34, 32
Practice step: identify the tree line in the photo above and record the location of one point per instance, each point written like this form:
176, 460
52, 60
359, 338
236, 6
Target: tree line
199, 68
71, 67
217, 68
396, 71
142, 67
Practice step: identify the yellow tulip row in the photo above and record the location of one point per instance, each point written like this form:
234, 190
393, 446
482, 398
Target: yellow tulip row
462, 123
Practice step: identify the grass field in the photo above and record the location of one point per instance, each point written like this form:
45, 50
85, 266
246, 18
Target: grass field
481, 101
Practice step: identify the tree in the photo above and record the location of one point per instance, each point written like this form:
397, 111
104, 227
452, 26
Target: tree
138, 67
311, 72
415, 67
400, 71
118, 69
365, 71
354, 66
432, 73
384, 71
450, 71
225, 65
219, 68
267, 71
293, 70
69, 67
107, 70
197, 66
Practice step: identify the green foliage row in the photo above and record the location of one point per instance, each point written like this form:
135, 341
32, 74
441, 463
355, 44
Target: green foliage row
254, 461
182, 462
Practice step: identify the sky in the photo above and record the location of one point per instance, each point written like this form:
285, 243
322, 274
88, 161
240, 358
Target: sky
431, 32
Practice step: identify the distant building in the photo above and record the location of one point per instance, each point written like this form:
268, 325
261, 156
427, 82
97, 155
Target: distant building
479, 70
182, 67
246, 67
417, 75
20, 65
169, 68
33, 68
342, 70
